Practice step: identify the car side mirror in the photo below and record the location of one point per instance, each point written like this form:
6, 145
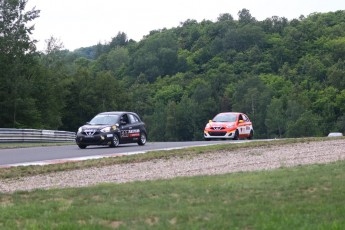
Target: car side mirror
240, 121
209, 121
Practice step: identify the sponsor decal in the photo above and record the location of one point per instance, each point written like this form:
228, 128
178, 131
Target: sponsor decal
130, 133
134, 135
134, 131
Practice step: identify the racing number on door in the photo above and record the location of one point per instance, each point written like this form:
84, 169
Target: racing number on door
245, 129
124, 133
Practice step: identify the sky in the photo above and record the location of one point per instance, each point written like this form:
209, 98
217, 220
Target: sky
84, 23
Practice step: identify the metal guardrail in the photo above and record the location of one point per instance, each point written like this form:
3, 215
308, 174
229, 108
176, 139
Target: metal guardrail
11, 135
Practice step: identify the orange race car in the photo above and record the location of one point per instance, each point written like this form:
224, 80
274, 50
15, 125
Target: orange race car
229, 125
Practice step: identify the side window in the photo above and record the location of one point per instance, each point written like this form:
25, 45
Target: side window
125, 119
246, 118
133, 119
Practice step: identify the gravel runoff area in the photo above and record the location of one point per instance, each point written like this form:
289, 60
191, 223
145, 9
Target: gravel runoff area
247, 159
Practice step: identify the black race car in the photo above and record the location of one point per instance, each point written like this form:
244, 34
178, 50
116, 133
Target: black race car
112, 128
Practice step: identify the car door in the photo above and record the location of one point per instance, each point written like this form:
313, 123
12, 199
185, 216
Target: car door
125, 127
241, 125
247, 124
134, 131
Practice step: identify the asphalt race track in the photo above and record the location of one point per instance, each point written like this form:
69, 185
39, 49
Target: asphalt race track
56, 154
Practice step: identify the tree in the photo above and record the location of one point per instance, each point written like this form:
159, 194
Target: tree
155, 56
53, 45
252, 96
225, 17
325, 106
275, 118
168, 93
120, 40
156, 123
17, 64
307, 125
205, 107
336, 75
186, 119
117, 59
244, 17
275, 24
171, 121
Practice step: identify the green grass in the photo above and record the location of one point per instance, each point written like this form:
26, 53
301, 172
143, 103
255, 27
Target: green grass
17, 172
304, 197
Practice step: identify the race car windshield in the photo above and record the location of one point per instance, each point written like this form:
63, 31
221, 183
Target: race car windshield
225, 118
104, 120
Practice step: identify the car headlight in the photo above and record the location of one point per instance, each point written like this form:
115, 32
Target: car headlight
106, 130
80, 130
208, 126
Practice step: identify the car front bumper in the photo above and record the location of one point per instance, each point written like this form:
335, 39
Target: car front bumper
219, 134
97, 139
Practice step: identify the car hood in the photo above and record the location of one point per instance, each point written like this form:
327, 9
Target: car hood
221, 124
84, 127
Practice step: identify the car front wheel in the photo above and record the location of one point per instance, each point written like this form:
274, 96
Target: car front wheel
82, 146
236, 135
115, 141
142, 140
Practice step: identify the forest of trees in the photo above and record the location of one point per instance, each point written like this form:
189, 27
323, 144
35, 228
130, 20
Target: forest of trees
287, 75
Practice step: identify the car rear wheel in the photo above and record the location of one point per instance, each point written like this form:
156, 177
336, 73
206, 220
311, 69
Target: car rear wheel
236, 135
142, 140
115, 141
82, 146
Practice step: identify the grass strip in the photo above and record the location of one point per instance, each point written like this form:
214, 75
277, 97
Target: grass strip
304, 197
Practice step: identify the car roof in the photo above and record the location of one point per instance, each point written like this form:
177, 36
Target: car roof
231, 113
115, 113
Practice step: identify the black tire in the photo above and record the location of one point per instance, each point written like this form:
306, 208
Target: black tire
143, 138
82, 146
115, 141
251, 135
237, 135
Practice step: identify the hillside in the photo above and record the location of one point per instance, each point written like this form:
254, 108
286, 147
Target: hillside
287, 75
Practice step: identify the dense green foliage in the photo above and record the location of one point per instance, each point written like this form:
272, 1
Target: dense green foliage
288, 76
